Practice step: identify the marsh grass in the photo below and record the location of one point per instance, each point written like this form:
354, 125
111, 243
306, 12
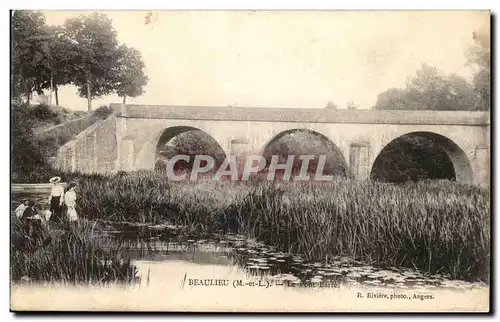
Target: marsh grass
145, 197
436, 227
75, 255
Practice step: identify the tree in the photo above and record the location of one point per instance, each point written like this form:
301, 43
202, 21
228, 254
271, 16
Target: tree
130, 77
429, 90
412, 157
392, 99
459, 93
191, 143
96, 54
29, 48
352, 106
303, 142
479, 58
330, 106
61, 57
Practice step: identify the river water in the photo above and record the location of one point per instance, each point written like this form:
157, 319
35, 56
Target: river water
233, 273
212, 282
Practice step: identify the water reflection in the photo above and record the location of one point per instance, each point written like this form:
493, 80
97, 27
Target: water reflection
163, 243
264, 262
178, 285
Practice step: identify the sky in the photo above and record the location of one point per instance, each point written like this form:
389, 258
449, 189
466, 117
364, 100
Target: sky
296, 59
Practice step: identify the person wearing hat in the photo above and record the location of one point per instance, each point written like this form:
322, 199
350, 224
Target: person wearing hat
56, 198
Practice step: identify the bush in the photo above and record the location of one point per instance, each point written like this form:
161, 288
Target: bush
27, 157
103, 112
31, 153
44, 113
67, 131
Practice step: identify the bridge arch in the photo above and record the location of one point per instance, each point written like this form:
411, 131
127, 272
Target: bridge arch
456, 165
337, 155
148, 156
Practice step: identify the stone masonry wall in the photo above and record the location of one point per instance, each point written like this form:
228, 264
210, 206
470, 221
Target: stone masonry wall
92, 151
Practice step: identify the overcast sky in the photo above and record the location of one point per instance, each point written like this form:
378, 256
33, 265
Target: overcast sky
284, 59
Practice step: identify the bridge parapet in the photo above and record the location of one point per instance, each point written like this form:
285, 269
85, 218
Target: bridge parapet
261, 114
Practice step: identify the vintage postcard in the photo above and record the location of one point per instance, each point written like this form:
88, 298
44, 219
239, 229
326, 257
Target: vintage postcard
250, 161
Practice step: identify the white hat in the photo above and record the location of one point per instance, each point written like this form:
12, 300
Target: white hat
55, 179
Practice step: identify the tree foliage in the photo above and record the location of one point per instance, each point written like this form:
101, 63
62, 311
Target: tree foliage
297, 143
191, 143
28, 154
411, 158
330, 106
352, 106
414, 157
196, 142
130, 78
61, 59
96, 54
431, 90
303, 142
29, 48
479, 58
83, 52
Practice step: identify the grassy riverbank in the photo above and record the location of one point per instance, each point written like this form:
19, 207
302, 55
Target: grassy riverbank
75, 255
433, 226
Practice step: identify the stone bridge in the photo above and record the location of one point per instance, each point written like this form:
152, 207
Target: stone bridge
129, 139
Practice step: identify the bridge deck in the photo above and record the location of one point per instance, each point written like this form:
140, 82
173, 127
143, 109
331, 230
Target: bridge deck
303, 115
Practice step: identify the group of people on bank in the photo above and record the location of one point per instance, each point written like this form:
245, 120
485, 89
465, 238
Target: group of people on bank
62, 204
32, 233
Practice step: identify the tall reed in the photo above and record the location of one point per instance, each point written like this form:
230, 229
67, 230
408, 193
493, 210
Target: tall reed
75, 255
437, 227
433, 226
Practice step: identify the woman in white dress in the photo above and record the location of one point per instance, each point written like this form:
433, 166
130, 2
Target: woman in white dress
70, 202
